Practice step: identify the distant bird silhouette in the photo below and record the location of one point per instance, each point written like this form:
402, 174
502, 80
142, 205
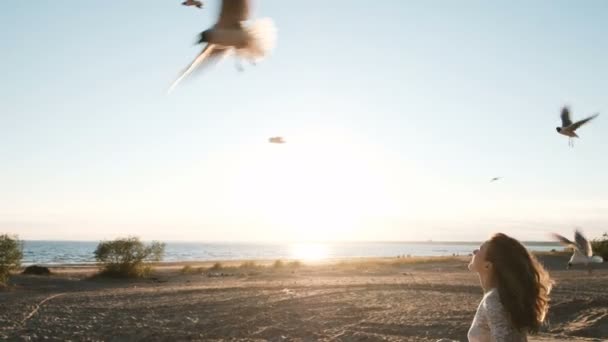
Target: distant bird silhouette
276, 140
583, 253
229, 35
495, 179
568, 128
193, 3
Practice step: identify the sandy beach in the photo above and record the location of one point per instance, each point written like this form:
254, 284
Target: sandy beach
391, 299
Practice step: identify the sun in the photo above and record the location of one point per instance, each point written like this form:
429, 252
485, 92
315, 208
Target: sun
309, 251
317, 189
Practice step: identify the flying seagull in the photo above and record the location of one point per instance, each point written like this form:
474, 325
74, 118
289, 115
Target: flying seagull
568, 128
276, 140
583, 254
495, 179
252, 42
196, 3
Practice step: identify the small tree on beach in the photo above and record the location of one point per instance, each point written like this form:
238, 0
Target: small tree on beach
11, 252
126, 257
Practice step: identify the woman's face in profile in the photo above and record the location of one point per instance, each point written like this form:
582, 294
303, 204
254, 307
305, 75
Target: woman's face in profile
478, 261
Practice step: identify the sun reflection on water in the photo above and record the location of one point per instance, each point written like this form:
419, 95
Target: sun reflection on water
309, 251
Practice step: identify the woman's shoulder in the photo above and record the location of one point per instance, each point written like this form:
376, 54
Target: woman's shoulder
498, 318
492, 299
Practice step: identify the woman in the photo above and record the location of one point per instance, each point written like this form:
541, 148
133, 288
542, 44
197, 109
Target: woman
516, 288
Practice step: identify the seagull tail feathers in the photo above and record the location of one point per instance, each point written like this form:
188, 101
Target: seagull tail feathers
264, 35
597, 259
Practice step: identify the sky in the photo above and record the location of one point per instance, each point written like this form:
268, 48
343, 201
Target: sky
396, 115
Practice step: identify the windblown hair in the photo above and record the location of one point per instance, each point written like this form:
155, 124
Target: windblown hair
523, 283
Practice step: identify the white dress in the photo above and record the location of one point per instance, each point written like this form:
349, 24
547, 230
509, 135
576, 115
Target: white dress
491, 322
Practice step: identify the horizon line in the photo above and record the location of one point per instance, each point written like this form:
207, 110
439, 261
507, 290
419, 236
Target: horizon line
547, 242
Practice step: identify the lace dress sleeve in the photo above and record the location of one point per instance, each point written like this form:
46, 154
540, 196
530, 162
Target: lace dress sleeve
501, 328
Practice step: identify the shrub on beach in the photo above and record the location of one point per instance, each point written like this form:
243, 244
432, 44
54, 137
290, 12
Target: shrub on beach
37, 270
188, 270
126, 257
294, 264
216, 267
278, 264
11, 252
192, 270
600, 246
248, 265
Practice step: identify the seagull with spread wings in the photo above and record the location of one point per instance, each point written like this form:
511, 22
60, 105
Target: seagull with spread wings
569, 128
583, 253
230, 34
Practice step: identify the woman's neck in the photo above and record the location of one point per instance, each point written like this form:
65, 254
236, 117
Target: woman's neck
487, 282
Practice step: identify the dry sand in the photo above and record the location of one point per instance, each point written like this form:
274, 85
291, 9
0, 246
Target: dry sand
410, 299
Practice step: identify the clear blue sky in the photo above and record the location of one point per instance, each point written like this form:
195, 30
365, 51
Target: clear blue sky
396, 114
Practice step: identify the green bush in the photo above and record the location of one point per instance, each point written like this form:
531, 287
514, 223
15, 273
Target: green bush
11, 252
126, 257
600, 246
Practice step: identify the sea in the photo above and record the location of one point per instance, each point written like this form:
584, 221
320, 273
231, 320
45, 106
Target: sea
81, 252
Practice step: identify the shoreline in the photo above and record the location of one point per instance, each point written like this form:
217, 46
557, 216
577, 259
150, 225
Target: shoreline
268, 261
64, 253
163, 266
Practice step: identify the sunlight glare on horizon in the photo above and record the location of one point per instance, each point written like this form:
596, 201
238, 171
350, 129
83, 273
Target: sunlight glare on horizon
314, 189
309, 251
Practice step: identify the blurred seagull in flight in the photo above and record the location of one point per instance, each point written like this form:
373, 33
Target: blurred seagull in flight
193, 3
230, 34
568, 128
583, 253
276, 140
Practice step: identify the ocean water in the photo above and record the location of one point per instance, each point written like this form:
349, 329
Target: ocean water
81, 252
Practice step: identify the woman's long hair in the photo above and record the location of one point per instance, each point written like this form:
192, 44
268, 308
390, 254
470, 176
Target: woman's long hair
522, 282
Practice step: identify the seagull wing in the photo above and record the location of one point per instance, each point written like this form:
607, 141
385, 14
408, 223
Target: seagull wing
197, 61
579, 123
566, 117
583, 244
564, 241
232, 13
215, 57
